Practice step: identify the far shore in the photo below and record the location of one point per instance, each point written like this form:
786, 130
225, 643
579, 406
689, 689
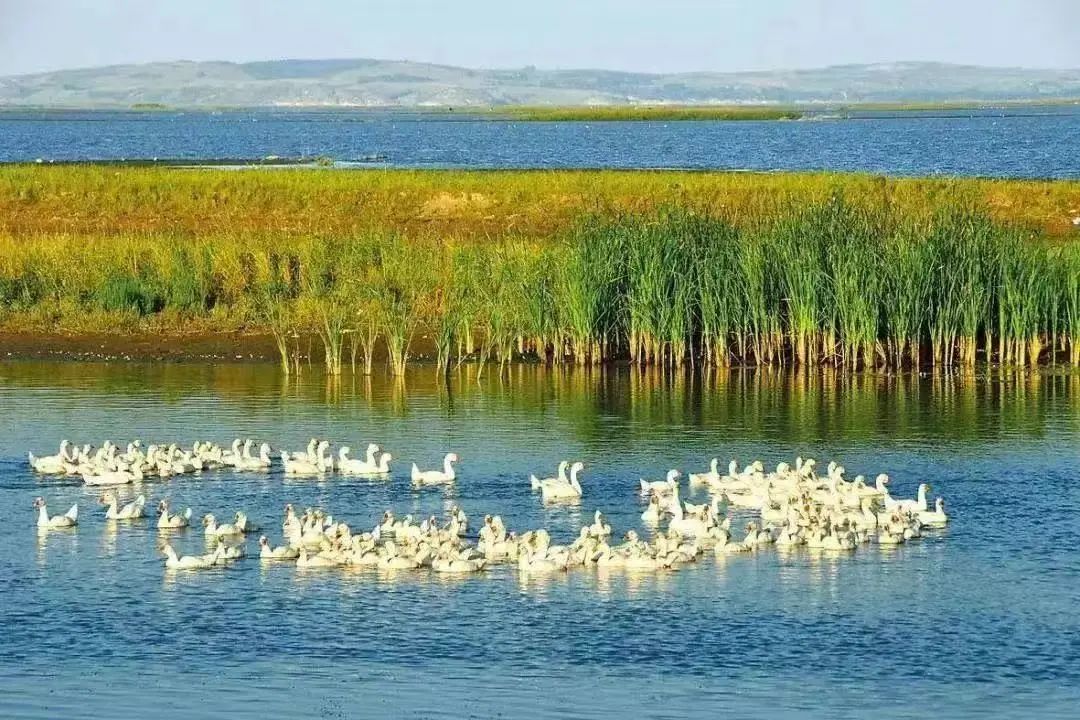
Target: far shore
636, 111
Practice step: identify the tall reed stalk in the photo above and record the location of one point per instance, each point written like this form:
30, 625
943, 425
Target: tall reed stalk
831, 282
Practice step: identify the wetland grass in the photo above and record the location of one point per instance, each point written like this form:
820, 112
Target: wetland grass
711, 270
99, 201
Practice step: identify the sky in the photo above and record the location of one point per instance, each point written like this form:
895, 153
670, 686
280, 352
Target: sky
638, 35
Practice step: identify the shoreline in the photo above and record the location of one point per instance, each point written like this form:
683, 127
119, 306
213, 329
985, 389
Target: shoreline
257, 348
199, 347
143, 347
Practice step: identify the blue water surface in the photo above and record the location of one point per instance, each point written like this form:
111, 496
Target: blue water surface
1014, 142
978, 620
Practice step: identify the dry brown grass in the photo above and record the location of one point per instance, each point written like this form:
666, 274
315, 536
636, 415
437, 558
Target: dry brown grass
95, 200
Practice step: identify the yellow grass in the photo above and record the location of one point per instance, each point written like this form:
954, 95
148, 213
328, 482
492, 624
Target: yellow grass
119, 200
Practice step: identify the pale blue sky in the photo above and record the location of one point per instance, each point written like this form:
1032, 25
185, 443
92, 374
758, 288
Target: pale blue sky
657, 36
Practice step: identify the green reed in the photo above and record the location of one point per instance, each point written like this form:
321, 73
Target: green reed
830, 282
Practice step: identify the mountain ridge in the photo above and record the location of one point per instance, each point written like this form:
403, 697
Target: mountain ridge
368, 82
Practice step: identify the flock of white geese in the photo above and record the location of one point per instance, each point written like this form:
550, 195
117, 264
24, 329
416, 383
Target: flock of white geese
794, 506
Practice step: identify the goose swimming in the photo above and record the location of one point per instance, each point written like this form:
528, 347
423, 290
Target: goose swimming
712, 475
283, 552
52, 464
189, 562
67, 520
661, 488
935, 517
131, 511
354, 466
554, 489
436, 477
172, 522
536, 483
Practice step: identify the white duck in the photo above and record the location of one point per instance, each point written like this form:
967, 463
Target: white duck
133, 510
552, 489
436, 477
67, 520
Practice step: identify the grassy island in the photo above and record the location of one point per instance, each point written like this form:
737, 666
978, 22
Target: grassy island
600, 113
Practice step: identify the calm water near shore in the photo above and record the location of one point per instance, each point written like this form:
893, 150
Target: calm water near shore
978, 620
1029, 141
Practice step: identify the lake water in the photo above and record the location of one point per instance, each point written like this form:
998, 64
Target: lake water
1031, 142
975, 621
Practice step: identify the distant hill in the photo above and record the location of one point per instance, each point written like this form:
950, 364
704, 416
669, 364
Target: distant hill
374, 83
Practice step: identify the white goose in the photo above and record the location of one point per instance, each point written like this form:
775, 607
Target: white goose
353, 465
553, 489
189, 562
297, 465
689, 526
449, 561
368, 466
113, 477
247, 462
303, 560
133, 510
52, 464
915, 506
232, 456
213, 529
536, 483
935, 517
172, 522
537, 562
600, 528
282, 552
436, 477
243, 524
713, 474
653, 511
67, 520
661, 488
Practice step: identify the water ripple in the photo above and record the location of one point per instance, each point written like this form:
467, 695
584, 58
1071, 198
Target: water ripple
976, 620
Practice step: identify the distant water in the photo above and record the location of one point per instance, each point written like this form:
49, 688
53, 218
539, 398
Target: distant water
975, 621
1027, 142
